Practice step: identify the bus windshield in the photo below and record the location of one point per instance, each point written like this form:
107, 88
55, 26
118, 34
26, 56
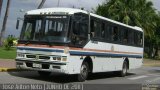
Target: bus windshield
45, 29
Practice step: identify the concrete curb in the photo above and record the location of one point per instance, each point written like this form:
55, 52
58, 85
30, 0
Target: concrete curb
11, 70
8, 69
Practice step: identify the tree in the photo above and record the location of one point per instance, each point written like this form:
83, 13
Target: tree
156, 39
135, 13
4, 23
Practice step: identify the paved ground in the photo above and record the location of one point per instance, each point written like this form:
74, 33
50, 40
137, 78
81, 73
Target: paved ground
148, 74
10, 63
7, 63
135, 79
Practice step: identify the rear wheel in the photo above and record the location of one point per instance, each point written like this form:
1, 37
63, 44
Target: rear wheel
124, 70
83, 72
44, 73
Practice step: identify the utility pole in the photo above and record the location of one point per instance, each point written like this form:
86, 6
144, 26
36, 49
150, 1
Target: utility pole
41, 4
58, 3
1, 1
4, 23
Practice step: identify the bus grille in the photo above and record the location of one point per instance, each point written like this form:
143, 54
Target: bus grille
31, 56
44, 57
38, 57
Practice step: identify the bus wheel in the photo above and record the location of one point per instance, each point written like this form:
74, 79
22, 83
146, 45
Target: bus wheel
124, 70
83, 72
44, 73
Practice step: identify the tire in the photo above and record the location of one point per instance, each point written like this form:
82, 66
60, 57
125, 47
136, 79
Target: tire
44, 73
124, 70
84, 71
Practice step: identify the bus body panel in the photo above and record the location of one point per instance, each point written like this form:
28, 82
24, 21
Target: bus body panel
105, 56
114, 56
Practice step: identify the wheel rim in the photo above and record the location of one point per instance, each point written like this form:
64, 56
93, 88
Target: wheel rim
84, 71
124, 68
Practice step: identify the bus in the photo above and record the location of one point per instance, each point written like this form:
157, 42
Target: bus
74, 41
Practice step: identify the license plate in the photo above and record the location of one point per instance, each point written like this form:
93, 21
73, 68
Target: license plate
35, 65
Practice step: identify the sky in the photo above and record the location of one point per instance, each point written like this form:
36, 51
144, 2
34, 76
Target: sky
19, 7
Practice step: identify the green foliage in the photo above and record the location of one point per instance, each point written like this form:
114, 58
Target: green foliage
135, 13
145, 55
8, 43
157, 58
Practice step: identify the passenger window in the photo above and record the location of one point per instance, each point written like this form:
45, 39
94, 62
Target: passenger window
95, 29
109, 34
114, 33
131, 37
140, 40
125, 38
136, 38
103, 31
92, 29
80, 30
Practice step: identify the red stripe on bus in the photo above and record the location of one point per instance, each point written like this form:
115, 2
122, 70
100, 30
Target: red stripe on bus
73, 48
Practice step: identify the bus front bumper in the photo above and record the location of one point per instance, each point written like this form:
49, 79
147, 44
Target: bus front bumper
42, 65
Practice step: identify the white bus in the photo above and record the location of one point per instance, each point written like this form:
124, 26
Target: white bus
73, 41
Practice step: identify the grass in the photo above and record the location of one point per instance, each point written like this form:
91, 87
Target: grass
7, 54
151, 62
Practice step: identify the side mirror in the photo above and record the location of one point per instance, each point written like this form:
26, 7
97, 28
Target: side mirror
18, 20
17, 24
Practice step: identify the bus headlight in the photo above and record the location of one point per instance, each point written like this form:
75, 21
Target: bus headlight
54, 58
64, 58
20, 55
59, 58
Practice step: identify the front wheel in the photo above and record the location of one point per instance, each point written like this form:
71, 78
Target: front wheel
83, 72
124, 70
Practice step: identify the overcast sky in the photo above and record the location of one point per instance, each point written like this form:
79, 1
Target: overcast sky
24, 5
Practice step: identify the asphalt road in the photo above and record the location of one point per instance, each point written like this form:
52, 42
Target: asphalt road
110, 80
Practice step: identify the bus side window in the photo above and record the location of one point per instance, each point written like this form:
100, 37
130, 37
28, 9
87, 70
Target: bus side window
140, 39
125, 38
114, 33
103, 31
109, 34
92, 29
135, 38
80, 30
121, 35
95, 29
131, 37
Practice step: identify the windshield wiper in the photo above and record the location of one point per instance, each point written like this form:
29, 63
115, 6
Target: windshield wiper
27, 42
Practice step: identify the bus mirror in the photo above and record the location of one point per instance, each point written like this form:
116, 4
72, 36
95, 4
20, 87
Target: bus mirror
17, 24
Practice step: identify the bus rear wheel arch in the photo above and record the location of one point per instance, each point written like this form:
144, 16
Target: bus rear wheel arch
90, 63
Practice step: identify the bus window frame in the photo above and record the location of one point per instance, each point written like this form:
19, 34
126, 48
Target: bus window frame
72, 34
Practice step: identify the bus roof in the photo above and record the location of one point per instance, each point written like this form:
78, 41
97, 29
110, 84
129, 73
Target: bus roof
54, 10
74, 10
